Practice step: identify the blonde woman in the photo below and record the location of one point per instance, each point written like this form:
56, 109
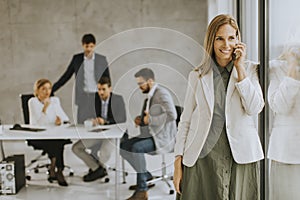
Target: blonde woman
45, 110
284, 101
217, 144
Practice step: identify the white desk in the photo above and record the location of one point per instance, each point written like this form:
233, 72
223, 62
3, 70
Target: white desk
66, 132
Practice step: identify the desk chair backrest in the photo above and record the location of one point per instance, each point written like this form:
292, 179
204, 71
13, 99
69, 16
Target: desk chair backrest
24, 100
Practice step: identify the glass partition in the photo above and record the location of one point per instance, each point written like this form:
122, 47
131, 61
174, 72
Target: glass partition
284, 100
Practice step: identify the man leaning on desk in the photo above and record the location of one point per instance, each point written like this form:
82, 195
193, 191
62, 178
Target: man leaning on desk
110, 109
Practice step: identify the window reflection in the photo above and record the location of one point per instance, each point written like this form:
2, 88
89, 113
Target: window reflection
284, 102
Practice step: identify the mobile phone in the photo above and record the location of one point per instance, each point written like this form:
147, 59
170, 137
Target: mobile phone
233, 55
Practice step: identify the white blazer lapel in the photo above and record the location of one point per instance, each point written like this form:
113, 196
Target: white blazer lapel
208, 89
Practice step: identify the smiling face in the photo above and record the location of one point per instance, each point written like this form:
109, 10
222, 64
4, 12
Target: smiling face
224, 44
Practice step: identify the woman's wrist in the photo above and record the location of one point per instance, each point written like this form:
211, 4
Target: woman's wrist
178, 161
241, 73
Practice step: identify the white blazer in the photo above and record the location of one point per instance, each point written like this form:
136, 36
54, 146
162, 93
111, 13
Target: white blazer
244, 101
284, 100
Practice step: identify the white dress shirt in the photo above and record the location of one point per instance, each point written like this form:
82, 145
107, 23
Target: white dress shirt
104, 108
90, 84
37, 117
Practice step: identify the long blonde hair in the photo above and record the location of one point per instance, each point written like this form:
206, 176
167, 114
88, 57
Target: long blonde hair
290, 49
210, 35
39, 83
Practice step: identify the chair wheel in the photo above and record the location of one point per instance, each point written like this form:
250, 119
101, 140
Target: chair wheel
71, 174
171, 192
106, 180
124, 182
28, 177
36, 171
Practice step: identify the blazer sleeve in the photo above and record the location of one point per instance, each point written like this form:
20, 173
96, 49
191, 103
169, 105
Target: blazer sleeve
66, 76
164, 112
118, 110
250, 92
188, 109
283, 90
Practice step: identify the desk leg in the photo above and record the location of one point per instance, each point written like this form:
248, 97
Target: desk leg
117, 191
2, 150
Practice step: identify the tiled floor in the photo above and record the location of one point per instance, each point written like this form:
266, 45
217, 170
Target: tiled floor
40, 189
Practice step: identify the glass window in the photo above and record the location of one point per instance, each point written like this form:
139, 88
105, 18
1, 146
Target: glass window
284, 99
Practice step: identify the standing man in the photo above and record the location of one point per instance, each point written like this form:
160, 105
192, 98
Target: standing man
88, 67
110, 109
157, 124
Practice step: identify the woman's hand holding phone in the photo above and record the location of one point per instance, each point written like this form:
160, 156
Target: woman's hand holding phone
238, 57
239, 51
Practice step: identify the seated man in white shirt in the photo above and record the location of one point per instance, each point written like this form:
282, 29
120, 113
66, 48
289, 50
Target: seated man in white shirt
110, 109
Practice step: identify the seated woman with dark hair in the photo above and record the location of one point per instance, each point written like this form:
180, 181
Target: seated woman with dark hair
47, 111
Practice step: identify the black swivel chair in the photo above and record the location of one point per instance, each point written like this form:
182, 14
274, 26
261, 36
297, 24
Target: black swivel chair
164, 176
25, 110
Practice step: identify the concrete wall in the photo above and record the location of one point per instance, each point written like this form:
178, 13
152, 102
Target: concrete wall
39, 37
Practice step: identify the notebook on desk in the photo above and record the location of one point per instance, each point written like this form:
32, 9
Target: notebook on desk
18, 127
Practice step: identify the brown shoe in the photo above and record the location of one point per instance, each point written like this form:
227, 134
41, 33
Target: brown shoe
139, 195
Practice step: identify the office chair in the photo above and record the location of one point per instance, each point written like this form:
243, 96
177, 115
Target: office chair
25, 110
164, 176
